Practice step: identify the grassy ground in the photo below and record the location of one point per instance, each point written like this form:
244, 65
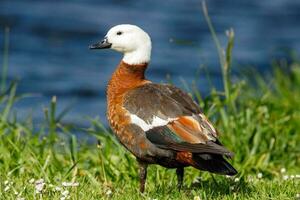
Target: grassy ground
260, 123
261, 127
259, 119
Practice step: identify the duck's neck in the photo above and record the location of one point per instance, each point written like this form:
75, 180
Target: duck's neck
141, 55
124, 78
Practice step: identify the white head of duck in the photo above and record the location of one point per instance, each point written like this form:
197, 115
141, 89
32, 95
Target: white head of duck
131, 40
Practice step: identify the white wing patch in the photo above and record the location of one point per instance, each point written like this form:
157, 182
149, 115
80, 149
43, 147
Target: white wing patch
156, 121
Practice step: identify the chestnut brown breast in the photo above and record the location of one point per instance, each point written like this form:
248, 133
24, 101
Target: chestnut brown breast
125, 78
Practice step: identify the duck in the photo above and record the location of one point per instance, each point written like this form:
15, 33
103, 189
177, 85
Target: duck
158, 123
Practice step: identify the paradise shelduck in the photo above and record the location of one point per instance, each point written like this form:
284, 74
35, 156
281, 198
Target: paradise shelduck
157, 123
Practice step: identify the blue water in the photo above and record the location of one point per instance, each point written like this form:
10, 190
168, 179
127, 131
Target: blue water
49, 40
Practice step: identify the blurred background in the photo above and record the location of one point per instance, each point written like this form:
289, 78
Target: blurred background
49, 41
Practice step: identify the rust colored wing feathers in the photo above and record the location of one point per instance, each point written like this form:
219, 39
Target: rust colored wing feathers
195, 129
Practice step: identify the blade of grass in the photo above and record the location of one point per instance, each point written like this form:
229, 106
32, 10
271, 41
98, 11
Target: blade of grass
5, 60
10, 102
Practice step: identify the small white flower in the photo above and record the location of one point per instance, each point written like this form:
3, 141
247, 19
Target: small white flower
236, 180
6, 182
108, 192
39, 181
62, 198
259, 175
285, 177
231, 188
58, 188
39, 188
70, 184
6, 188
297, 175
31, 181
227, 176
39, 185
298, 195
16, 193
282, 170
197, 198
65, 193
20, 198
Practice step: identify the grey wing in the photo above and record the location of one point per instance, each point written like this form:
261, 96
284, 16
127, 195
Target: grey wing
154, 100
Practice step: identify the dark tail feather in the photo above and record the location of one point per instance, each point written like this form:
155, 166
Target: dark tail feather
213, 163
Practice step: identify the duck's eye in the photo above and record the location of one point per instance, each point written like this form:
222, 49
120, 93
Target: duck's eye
119, 33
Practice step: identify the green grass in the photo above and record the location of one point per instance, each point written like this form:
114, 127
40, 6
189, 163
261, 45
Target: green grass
258, 118
263, 131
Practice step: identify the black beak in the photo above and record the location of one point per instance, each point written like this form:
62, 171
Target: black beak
104, 44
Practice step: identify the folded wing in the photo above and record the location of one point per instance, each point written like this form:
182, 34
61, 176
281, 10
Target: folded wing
172, 120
